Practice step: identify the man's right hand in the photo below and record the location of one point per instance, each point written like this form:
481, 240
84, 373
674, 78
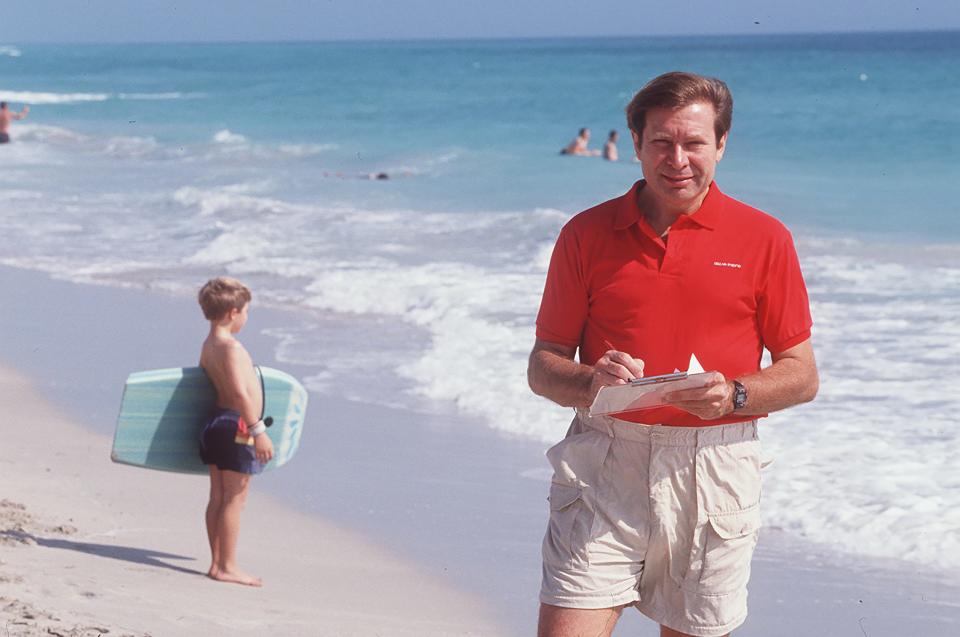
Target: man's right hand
554, 374
614, 368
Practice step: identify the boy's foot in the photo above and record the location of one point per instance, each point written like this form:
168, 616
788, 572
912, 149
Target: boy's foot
236, 577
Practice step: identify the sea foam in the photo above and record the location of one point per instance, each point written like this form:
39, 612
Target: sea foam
442, 305
32, 97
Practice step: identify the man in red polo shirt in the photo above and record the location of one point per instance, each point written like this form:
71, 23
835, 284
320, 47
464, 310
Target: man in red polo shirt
659, 508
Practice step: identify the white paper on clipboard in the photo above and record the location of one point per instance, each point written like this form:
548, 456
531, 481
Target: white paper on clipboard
617, 399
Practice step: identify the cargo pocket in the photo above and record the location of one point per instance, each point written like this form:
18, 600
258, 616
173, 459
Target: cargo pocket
566, 505
729, 540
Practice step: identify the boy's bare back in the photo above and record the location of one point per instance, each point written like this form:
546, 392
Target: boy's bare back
231, 370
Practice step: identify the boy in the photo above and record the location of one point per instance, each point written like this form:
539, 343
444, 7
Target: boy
231, 448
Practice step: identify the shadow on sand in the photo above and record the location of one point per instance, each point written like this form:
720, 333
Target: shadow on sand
125, 553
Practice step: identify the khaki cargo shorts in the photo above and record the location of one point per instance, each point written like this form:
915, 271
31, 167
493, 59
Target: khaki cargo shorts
664, 518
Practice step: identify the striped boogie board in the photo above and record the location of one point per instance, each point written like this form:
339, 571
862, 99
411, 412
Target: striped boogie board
163, 411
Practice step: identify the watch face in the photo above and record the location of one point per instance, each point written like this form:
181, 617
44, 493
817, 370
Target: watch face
739, 395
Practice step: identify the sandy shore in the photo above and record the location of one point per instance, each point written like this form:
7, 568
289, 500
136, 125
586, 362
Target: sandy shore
88, 548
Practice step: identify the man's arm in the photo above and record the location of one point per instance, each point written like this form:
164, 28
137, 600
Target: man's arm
790, 380
22, 114
552, 373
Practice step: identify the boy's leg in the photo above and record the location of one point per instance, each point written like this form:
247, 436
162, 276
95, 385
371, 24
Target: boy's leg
235, 488
213, 517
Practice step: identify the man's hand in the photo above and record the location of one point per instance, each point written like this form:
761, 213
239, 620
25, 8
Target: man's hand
263, 447
791, 379
614, 368
715, 400
553, 373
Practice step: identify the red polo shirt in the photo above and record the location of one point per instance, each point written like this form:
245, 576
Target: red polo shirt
725, 285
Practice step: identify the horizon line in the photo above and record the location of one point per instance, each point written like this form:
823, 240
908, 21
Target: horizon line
369, 40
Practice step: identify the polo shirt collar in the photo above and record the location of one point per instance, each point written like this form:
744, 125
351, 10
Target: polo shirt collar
708, 216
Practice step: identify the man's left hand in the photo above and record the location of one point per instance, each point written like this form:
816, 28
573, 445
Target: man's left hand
715, 400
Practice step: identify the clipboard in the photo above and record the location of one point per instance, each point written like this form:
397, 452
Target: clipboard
644, 393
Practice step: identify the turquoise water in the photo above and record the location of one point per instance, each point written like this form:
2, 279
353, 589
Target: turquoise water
857, 129
158, 166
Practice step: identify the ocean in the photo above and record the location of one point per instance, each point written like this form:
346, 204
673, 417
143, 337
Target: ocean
159, 166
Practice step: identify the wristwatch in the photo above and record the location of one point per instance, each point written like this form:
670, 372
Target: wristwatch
739, 395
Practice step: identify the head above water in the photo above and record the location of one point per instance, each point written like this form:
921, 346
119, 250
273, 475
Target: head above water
219, 296
676, 90
3, 104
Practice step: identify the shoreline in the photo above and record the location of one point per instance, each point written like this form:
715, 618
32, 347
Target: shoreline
454, 500
88, 547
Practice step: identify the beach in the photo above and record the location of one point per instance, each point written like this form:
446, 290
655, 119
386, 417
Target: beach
90, 548
381, 525
406, 306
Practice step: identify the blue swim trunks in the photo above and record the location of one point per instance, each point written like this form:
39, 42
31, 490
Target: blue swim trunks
226, 442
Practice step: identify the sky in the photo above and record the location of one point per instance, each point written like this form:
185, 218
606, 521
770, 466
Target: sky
288, 20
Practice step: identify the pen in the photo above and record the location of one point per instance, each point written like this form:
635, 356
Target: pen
611, 347
655, 380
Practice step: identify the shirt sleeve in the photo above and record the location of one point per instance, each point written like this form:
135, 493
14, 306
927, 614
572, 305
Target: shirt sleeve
563, 309
783, 306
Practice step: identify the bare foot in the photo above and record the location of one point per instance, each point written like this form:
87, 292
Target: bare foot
236, 577
212, 571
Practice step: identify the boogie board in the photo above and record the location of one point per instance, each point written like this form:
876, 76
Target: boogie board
163, 411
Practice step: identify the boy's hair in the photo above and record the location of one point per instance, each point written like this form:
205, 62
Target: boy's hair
220, 295
677, 90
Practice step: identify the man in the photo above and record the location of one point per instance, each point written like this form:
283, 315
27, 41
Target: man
579, 145
6, 116
610, 148
660, 508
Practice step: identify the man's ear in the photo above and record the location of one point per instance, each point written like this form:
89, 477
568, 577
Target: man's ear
721, 146
636, 143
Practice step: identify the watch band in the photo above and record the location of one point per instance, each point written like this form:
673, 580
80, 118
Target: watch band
739, 395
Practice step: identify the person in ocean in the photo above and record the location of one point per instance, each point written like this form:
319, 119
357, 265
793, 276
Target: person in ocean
233, 442
579, 145
610, 147
659, 508
7, 116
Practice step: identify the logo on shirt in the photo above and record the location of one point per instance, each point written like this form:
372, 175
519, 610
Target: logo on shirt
726, 264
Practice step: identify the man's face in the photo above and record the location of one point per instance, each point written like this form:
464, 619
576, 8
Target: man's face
679, 155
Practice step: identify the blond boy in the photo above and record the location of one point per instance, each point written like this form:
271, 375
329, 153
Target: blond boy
233, 449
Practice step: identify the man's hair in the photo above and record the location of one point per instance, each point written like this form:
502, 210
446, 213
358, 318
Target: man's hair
218, 296
612, 134
3, 104
582, 131
676, 90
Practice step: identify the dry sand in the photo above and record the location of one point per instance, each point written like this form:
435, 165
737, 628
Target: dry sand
91, 548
